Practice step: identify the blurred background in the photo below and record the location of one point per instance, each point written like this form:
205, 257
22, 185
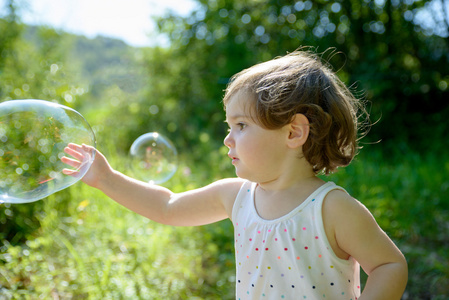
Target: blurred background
78, 244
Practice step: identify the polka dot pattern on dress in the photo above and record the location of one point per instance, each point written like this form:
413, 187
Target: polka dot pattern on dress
277, 259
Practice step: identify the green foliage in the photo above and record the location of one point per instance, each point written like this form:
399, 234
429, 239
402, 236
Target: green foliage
382, 51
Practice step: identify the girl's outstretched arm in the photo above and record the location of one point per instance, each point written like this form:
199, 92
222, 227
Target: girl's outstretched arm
357, 234
206, 205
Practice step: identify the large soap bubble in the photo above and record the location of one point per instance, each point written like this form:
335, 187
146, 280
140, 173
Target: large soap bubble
153, 158
33, 135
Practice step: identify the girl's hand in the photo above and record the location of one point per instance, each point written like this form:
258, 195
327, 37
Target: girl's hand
97, 172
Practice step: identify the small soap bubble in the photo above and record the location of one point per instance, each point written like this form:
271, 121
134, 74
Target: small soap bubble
33, 135
153, 158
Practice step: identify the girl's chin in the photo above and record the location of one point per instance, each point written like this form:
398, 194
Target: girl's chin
243, 175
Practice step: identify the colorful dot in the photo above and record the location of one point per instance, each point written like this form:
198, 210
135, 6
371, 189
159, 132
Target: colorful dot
319, 255
266, 249
258, 231
269, 268
306, 247
279, 257
285, 249
293, 239
313, 200
316, 238
332, 267
304, 228
297, 257
269, 230
276, 239
271, 286
310, 267
257, 249
250, 240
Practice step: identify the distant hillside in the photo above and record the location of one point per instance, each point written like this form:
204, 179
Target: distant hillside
101, 61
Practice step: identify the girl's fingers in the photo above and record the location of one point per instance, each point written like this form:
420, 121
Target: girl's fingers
75, 147
87, 148
71, 162
75, 151
80, 154
70, 172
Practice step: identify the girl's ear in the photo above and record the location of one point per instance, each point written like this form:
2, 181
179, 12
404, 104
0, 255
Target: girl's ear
298, 131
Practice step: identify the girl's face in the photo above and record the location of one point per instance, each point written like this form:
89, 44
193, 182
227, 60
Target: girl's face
258, 154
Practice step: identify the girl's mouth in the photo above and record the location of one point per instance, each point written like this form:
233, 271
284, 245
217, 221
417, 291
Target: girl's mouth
234, 159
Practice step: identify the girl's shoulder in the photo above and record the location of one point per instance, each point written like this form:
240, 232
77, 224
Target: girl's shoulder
342, 214
230, 184
340, 207
339, 204
228, 189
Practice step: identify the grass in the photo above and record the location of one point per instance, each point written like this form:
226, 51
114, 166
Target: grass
89, 247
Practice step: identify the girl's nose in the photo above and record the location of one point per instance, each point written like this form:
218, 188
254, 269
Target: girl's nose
228, 141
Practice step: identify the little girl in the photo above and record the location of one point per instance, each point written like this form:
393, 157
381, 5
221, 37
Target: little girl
296, 236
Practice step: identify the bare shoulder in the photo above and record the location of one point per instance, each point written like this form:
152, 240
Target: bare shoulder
228, 189
342, 211
339, 202
229, 186
343, 214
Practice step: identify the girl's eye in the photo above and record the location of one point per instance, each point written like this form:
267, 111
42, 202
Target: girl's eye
241, 125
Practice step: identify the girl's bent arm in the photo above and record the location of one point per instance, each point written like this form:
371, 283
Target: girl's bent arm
206, 205
358, 235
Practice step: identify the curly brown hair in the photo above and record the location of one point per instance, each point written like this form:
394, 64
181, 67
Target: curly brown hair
300, 82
